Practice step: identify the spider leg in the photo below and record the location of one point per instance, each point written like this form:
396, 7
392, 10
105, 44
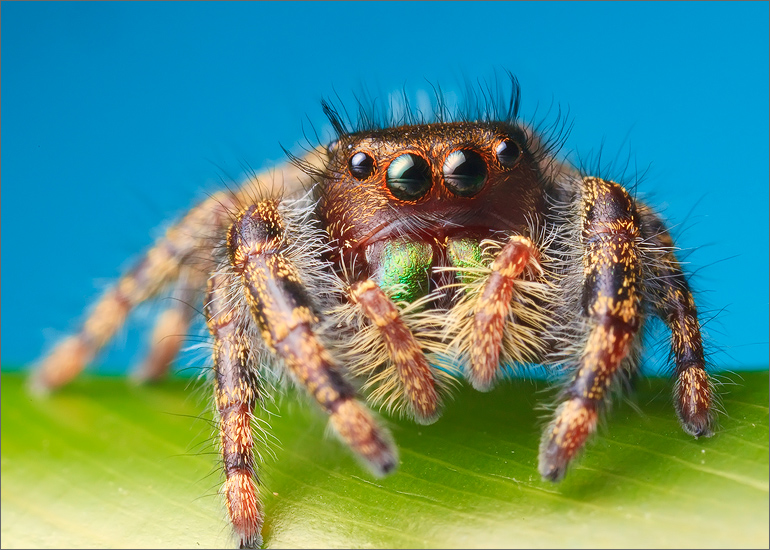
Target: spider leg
158, 267
675, 305
236, 392
414, 374
492, 308
283, 311
171, 326
611, 309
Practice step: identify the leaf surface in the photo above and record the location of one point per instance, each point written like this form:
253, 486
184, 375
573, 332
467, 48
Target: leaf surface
105, 464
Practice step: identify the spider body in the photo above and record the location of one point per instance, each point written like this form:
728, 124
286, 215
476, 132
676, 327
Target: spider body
396, 261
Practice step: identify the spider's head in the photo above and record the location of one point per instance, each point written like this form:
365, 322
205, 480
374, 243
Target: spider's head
429, 182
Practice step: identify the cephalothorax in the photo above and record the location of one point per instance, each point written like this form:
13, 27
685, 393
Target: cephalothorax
405, 257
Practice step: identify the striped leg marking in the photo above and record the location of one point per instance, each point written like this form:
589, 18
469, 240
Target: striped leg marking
611, 298
406, 355
159, 267
676, 307
236, 393
282, 309
492, 309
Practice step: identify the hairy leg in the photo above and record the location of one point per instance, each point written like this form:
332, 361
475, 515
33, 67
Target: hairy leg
610, 240
413, 373
675, 305
157, 268
492, 308
283, 311
187, 245
236, 393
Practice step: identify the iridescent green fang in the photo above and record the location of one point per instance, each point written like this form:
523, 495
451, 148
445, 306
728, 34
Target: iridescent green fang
464, 253
405, 268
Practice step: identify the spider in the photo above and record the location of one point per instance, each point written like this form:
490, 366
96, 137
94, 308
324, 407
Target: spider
396, 261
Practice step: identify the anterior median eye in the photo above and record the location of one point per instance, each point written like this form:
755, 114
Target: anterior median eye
361, 165
465, 172
409, 177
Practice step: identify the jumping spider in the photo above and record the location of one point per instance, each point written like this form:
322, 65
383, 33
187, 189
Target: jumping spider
393, 258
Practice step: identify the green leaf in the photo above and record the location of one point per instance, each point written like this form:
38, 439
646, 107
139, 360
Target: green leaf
105, 464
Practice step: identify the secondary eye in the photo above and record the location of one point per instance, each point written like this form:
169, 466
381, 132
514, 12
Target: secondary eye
465, 172
409, 177
508, 153
361, 165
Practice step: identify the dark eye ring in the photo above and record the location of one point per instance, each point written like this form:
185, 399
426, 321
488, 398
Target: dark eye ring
361, 165
508, 153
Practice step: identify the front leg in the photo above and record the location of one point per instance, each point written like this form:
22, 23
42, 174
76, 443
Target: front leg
492, 309
258, 304
264, 263
408, 368
610, 240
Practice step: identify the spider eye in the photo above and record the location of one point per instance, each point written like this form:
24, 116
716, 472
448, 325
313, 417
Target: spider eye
409, 177
465, 172
508, 153
361, 165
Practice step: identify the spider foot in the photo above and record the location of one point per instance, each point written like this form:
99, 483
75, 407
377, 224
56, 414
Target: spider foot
575, 421
62, 365
693, 397
355, 426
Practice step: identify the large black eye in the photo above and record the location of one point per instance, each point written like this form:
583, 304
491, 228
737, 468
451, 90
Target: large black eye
465, 172
409, 177
361, 165
508, 153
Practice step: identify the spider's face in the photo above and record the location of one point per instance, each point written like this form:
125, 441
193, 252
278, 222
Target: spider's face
429, 183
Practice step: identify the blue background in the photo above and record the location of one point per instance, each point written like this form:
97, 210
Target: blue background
117, 117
